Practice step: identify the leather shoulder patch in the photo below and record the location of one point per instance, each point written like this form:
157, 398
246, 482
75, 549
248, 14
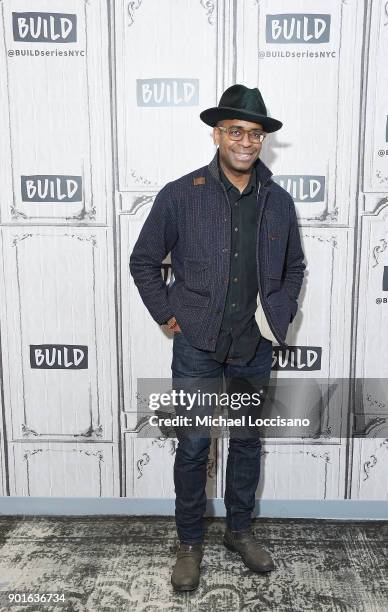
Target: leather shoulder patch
199, 180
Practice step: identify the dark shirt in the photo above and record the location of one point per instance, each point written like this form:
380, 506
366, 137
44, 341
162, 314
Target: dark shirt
239, 333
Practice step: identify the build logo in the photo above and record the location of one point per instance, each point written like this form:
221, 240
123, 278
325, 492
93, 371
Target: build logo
51, 188
44, 27
297, 358
303, 188
297, 28
167, 92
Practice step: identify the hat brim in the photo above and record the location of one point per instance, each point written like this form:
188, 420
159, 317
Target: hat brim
210, 116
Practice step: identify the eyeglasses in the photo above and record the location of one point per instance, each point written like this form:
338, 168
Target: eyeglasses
237, 133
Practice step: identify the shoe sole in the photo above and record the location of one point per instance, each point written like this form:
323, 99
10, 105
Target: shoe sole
183, 589
253, 569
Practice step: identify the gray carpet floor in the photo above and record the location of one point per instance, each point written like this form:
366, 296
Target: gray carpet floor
119, 563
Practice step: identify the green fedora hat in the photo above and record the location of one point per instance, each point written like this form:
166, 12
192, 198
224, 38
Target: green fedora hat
240, 102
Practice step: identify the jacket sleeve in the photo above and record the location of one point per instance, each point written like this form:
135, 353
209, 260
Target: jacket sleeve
156, 239
294, 264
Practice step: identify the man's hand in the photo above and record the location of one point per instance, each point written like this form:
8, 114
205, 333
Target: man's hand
173, 325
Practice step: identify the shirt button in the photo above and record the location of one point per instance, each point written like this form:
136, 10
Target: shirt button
235, 279
233, 305
236, 229
235, 254
236, 203
224, 250
225, 219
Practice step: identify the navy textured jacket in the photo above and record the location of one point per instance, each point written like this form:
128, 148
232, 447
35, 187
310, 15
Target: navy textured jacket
191, 217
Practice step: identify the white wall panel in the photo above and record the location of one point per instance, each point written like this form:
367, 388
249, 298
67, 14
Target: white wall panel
146, 346
44, 469
302, 472
372, 341
166, 73
369, 471
369, 456
376, 99
54, 93
57, 289
306, 57
325, 299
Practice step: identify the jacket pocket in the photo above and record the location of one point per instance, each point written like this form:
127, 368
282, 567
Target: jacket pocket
273, 285
197, 275
193, 299
279, 300
280, 309
196, 289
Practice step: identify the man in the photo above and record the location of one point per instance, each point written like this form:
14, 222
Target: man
238, 267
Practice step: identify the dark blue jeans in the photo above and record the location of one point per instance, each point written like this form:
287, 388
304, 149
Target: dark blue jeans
190, 467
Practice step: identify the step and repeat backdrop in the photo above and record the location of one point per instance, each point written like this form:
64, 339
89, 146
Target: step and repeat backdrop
100, 104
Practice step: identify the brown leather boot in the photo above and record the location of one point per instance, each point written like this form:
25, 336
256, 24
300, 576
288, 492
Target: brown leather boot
254, 557
185, 575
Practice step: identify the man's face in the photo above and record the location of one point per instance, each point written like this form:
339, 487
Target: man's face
240, 155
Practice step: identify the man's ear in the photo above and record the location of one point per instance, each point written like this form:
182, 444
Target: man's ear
216, 136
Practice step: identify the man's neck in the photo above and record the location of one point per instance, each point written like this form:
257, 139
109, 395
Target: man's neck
238, 179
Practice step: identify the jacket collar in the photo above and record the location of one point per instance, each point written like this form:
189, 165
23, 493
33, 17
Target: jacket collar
263, 173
